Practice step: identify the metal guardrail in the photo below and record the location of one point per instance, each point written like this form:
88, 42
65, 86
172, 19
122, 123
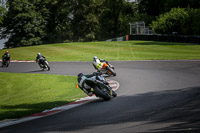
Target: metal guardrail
123, 38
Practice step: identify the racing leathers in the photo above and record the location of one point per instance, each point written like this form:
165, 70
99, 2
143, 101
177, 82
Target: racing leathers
40, 58
98, 63
84, 83
6, 56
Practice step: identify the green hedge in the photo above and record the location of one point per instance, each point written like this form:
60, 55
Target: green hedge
167, 38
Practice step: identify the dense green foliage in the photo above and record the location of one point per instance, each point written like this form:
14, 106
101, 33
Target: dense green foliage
34, 22
157, 7
191, 22
23, 24
180, 20
170, 21
2, 11
115, 18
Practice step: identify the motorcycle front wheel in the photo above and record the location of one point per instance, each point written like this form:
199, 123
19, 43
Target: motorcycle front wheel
7, 63
103, 94
47, 66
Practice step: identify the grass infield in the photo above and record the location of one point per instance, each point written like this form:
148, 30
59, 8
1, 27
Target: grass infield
25, 94
125, 50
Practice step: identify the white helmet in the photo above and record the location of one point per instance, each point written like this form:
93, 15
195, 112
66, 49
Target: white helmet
95, 58
38, 54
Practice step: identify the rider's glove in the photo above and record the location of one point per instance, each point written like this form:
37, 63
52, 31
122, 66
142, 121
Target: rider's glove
94, 73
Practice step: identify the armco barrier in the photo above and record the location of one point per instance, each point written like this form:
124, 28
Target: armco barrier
123, 38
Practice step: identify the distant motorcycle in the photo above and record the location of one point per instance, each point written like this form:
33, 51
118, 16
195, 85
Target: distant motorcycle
5, 62
101, 87
107, 68
43, 63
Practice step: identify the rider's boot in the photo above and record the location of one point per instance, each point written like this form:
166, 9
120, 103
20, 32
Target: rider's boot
114, 94
88, 92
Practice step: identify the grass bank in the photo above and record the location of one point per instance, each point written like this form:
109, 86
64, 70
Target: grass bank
25, 94
125, 50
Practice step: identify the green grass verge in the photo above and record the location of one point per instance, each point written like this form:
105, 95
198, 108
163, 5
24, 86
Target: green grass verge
25, 94
125, 50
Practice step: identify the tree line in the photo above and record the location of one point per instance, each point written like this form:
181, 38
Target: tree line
34, 22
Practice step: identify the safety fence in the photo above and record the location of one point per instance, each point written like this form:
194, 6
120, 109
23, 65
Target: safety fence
158, 37
167, 38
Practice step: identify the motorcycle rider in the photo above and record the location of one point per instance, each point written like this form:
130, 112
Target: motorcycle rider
6, 57
39, 58
97, 63
83, 83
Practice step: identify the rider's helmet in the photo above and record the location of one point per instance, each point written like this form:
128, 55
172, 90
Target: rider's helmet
94, 58
6, 51
79, 76
38, 54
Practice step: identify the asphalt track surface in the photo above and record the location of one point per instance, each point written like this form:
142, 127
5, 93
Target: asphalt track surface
154, 96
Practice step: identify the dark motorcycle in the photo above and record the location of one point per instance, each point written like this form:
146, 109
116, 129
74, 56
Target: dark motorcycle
101, 87
5, 62
44, 65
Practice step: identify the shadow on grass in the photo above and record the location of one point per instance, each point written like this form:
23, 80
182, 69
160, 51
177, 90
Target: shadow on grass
21, 110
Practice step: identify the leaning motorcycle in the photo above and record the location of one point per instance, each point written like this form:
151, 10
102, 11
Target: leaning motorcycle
5, 62
107, 68
43, 63
101, 87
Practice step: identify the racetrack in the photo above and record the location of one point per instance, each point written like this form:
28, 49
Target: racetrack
154, 96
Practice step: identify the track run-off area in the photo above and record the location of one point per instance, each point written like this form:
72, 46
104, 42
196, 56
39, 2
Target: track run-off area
153, 96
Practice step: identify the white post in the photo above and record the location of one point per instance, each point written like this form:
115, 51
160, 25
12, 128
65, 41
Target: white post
130, 29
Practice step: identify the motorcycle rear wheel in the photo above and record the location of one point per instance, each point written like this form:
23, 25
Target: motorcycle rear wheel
111, 71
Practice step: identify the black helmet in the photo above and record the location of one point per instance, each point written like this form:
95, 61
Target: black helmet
80, 75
